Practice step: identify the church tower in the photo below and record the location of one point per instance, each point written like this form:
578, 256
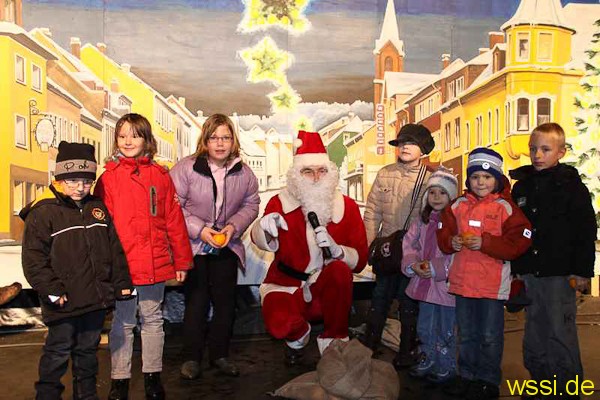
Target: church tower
389, 50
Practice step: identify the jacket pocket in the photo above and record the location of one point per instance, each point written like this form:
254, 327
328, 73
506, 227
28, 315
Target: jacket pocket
385, 194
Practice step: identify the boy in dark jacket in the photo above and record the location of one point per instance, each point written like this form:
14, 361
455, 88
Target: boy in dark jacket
73, 258
560, 260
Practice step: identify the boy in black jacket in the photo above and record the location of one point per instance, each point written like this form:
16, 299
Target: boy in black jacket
73, 258
560, 260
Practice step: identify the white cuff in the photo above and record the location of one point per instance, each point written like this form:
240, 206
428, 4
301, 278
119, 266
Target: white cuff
260, 238
300, 343
350, 256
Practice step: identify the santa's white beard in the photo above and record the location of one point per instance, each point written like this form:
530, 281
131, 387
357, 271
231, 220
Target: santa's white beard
314, 196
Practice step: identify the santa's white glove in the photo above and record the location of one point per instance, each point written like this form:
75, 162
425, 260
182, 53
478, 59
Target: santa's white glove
271, 223
324, 239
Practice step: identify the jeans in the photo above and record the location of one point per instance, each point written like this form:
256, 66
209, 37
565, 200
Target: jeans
550, 344
387, 288
213, 281
149, 301
78, 338
480, 325
435, 329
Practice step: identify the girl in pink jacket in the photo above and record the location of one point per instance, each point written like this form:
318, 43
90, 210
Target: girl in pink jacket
428, 267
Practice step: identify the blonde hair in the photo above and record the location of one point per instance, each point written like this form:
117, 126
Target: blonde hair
209, 127
141, 127
551, 128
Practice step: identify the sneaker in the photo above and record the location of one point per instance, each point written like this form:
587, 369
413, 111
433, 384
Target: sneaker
457, 387
440, 377
482, 390
421, 370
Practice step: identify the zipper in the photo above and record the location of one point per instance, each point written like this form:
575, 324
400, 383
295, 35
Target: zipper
87, 241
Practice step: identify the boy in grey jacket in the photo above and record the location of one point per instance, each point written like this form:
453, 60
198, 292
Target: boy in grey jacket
388, 208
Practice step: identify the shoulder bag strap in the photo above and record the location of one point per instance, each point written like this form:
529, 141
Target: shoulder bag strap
415, 193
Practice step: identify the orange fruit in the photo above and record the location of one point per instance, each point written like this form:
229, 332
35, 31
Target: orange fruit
219, 238
467, 235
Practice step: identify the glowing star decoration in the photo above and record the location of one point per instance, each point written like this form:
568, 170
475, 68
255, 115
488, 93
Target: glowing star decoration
303, 124
286, 14
284, 99
266, 62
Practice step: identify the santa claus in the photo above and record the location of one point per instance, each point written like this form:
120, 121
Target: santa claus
319, 240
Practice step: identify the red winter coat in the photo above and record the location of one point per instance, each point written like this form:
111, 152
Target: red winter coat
505, 232
141, 198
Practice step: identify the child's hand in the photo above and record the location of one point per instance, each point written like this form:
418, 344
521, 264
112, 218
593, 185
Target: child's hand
472, 242
422, 269
229, 230
457, 243
206, 235
61, 301
180, 276
579, 283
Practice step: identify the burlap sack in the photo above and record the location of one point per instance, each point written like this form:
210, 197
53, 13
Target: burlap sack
345, 369
304, 387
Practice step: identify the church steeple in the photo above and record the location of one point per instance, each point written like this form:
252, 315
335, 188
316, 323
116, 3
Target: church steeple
388, 51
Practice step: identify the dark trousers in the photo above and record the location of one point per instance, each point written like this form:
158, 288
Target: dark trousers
212, 281
550, 344
78, 338
480, 325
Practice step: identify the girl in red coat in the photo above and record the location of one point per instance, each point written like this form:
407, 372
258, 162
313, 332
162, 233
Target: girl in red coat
141, 198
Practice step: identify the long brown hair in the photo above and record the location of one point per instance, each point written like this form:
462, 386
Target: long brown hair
141, 127
209, 127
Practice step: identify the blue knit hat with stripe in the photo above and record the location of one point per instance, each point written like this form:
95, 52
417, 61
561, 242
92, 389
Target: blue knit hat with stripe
487, 160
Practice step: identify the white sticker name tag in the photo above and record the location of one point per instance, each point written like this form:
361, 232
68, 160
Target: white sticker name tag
527, 233
476, 224
440, 225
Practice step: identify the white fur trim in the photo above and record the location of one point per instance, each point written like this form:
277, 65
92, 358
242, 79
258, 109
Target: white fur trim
297, 144
350, 256
266, 288
323, 343
260, 239
311, 159
338, 207
288, 202
316, 254
300, 343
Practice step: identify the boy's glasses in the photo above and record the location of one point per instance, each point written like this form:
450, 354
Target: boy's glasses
74, 183
224, 139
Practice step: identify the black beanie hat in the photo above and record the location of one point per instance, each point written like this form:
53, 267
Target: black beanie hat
417, 134
75, 160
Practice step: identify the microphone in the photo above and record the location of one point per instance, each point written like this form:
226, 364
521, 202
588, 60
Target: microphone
314, 222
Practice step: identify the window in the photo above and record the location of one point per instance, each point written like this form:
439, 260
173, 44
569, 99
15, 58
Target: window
545, 47
451, 93
523, 46
388, 64
507, 118
457, 132
523, 114
543, 111
497, 125
18, 196
468, 136
10, 11
460, 85
20, 131
36, 77
510, 44
479, 130
489, 138
19, 69
447, 136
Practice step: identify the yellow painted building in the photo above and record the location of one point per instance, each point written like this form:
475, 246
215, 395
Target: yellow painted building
144, 99
23, 165
529, 80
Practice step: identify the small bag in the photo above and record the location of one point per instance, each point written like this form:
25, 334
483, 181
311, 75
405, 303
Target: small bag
385, 253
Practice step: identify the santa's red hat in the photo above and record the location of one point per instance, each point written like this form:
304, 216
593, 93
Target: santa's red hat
309, 150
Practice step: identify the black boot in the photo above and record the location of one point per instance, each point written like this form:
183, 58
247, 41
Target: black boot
119, 389
293, 357
154, 389
374, 329
408, 353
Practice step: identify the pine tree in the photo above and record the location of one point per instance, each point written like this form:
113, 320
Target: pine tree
585, 147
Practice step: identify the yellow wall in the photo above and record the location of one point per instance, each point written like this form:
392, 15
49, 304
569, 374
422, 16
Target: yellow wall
15, 100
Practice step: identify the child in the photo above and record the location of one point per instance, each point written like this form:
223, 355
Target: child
141, 198
428, 268
73, 259
388, 208
219, 198
559, 207
484, 229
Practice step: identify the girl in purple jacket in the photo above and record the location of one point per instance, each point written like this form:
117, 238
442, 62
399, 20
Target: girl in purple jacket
427, 267
219, 198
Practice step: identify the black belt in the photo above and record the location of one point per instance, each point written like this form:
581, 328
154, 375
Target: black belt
289, 271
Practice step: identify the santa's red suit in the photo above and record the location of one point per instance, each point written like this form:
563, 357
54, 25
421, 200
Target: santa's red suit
288, 303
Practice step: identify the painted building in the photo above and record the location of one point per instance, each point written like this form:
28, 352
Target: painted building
188, 127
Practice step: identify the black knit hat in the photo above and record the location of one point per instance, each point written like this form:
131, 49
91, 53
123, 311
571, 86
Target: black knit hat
75, 160
417, 134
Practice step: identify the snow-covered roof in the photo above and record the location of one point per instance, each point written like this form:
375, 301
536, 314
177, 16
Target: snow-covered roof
406, 82
22, 36
538, 12
583, 17
87, 114
63, 92
486, 57
249, 147
389, 31
454, 66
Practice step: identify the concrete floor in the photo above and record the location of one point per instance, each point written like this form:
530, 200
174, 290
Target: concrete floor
261, 361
